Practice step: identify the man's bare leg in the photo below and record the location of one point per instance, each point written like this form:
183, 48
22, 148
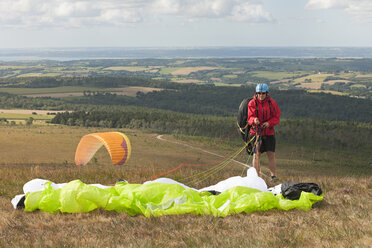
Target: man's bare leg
256, 162
272, 163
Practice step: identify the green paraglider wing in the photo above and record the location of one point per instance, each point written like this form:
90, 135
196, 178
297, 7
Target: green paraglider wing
156, 199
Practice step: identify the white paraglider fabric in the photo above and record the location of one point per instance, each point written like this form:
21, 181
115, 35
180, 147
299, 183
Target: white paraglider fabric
252, 180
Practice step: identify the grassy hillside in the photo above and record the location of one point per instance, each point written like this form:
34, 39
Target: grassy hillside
342, 219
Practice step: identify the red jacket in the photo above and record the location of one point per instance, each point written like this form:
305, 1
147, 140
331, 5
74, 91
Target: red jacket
268, 111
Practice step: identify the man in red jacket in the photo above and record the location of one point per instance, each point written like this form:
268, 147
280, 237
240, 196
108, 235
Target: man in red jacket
263, 115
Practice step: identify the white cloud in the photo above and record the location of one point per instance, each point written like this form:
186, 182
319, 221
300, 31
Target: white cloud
248, 12
360, 10
326, 4
237, 10
67, 13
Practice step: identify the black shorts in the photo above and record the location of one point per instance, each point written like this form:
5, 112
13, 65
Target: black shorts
267, 144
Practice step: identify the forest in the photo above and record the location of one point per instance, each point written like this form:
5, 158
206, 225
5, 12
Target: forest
189, 98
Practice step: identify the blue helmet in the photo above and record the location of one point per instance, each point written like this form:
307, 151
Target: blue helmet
262, 88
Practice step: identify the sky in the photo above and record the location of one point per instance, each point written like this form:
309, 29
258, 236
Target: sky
184, 23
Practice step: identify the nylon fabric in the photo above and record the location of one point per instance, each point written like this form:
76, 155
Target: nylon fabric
157, 199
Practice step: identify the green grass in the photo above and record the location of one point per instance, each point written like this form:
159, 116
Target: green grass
314, 77
230, 76
180, 62
10, 116
169, 70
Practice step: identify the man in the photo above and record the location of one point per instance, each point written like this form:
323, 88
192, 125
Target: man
263, 115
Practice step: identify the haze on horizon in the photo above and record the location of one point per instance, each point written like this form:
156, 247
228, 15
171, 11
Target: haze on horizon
185, 23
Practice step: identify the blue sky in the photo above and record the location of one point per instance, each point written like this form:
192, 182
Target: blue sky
184, 23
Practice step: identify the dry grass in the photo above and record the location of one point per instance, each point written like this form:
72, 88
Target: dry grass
343, 219
127, 91
332, 82
333, 92
317, 85
312, 85
28, 111
152, 69
188, 70
132, 90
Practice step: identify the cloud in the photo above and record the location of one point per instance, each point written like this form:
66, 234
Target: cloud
236, 10
326, 4
360, 10
80, 13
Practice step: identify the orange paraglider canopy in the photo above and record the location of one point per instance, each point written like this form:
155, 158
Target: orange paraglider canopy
116, 143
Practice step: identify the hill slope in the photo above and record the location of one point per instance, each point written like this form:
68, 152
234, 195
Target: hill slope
342, 219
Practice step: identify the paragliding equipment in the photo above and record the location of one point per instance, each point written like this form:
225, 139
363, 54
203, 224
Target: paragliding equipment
216, 165
168, 197
262, 88
202, 176
199, 177
257, 147
242, 119
116, 143
244, 127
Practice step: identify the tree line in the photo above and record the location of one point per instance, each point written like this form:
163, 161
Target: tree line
224, 101
345, 135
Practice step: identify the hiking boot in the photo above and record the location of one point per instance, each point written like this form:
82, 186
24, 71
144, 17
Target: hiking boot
121, 180
274, 179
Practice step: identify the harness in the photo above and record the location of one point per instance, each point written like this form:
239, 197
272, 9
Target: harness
263, 111
253, 142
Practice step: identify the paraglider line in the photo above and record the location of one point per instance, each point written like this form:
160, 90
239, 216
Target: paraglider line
205, 174
193, 165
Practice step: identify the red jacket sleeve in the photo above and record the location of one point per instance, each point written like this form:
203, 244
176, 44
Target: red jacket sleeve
275, 115
252, 113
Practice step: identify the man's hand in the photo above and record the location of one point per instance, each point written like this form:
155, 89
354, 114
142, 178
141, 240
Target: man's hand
266, 125
256, 121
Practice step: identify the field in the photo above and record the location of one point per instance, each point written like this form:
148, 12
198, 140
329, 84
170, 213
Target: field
187, 81
55, 90
184, 71
276, 75
342, 219
20, 116
188, 70
25, 116
310, 74
134, 68
68, 91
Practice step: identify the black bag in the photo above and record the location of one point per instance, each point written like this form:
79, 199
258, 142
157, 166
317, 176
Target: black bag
292, 191
242, 117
